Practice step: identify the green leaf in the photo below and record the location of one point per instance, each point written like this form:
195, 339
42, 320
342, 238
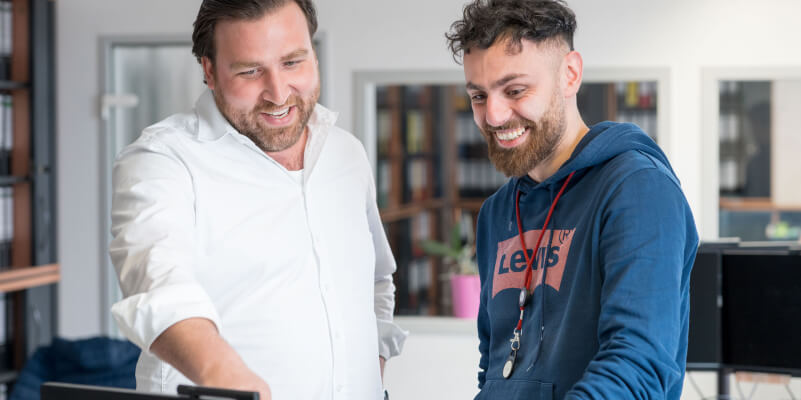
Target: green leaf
438, 249
456, 239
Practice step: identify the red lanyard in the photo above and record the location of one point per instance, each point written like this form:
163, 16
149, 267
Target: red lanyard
507, 369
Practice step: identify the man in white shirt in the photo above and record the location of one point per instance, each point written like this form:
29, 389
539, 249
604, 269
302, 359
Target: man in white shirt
246, 234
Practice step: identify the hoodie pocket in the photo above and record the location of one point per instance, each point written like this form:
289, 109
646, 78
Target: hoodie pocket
515, 389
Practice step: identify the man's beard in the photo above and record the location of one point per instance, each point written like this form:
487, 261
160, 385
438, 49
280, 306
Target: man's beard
251, 123
543, 137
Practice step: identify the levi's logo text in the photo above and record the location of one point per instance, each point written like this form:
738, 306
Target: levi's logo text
510, 263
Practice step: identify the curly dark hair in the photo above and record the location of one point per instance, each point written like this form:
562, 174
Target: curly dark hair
213, 11
485, 21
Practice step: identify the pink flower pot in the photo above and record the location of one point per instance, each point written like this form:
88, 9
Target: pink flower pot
465, 290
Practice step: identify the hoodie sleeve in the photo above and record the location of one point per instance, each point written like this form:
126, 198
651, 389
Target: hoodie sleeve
646, 230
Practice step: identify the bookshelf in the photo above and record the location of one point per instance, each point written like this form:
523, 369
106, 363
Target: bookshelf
409, 187
27, 271
632, 101
431, 166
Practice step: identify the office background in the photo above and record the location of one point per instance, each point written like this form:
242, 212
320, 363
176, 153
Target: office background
693, 44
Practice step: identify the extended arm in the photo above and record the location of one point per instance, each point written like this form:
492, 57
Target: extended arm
645, 240
165, 310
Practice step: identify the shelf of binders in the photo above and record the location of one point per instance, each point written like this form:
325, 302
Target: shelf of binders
636, 102
409, 191
621, 101
8, 180
407, 161
417, 276
8, 137
476, 177
25, 230
16, 194
11, 27
11, 85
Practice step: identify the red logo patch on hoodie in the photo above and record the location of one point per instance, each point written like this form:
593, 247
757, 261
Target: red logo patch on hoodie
510, 263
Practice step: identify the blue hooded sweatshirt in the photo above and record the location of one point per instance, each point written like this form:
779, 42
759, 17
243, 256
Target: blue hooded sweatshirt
610, 320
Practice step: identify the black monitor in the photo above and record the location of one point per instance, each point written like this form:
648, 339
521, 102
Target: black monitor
61, 391
761, 314
745, 307
704, 348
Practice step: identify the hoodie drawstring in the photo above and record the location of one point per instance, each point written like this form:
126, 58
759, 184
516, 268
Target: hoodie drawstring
509, 365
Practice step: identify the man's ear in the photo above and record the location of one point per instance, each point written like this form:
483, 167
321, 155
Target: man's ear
572, 72
208, 72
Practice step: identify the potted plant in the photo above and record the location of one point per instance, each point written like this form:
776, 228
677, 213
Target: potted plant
460, 257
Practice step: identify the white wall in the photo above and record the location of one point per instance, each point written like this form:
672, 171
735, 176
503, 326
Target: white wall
682, 35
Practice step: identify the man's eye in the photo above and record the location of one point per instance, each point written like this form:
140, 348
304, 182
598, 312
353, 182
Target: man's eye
291, 63
249, 72
477, 98
515, 92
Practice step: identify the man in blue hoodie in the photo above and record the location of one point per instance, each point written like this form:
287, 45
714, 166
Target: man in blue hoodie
585, 254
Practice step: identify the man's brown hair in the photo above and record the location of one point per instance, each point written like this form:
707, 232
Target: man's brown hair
486, 21
213, 11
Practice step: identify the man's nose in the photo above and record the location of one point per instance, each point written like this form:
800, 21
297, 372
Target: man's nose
498, 112
276, 89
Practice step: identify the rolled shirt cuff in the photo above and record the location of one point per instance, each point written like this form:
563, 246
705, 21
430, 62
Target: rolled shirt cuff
390, 339
143, 317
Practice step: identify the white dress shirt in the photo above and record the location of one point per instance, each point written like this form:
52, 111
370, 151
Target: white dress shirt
295, 271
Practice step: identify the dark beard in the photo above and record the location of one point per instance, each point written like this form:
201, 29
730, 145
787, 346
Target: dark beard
269, 139
543, 138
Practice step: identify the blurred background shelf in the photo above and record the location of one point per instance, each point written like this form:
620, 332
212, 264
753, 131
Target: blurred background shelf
756, 204
13, 279
11, 85
28, 272
12, 180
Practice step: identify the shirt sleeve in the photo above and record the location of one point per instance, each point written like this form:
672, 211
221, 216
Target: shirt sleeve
646, 245
153, 246
390, 336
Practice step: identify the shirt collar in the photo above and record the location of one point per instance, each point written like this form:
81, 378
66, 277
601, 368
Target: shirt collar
212, 125
320, 124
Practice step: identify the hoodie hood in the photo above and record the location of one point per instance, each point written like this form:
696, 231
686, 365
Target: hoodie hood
600, 144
